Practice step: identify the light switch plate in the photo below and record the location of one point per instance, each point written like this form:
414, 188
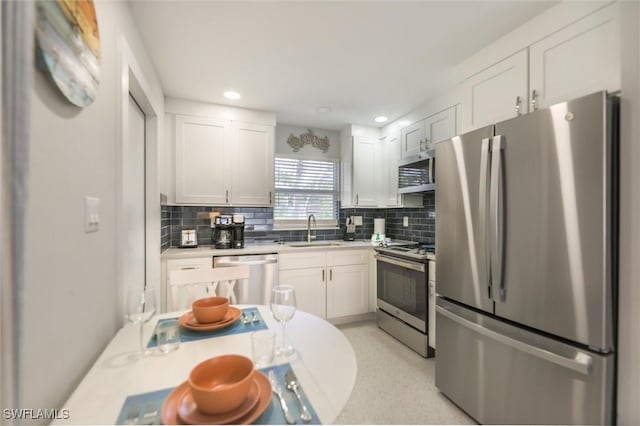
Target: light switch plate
91, 214
357, 220
405, 221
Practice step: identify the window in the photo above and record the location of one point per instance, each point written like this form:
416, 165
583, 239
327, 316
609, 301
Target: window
304, 187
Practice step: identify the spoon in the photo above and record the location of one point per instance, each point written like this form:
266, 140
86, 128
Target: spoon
292, 384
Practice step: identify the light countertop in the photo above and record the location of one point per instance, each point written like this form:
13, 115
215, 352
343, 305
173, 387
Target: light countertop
288, 247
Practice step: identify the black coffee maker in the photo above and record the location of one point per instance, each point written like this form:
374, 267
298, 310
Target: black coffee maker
238, 231
223, 232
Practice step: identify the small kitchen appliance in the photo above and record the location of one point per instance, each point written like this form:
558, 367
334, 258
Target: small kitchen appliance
350, 230
188, 238
237, 241
223, 231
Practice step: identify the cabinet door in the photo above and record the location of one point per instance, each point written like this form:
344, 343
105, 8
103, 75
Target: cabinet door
252, 165
497, 93
347, 290
202, 163
411, 139
439, 127
366, 167
390, 157
580, 59
310, 289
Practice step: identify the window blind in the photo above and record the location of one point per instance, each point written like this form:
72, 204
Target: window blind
303, 187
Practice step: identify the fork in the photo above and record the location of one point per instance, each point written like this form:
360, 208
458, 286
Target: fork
275, 387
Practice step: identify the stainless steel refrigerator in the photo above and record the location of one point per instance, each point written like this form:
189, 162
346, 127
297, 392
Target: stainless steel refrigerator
526, 256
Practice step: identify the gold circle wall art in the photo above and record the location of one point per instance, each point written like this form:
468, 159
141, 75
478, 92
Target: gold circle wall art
68, 47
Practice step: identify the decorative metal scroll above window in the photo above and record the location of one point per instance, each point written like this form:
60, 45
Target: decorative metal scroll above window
297, 142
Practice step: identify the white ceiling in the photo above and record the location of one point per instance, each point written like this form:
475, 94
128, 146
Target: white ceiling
362, 58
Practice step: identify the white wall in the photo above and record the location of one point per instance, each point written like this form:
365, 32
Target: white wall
71, 288
629, 280
284, 130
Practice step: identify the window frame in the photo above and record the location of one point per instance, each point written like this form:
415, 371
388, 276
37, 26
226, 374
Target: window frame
301, 224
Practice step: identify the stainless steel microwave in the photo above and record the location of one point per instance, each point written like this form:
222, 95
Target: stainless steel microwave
417, 174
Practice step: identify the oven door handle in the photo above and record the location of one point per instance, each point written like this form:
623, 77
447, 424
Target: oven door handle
405, 264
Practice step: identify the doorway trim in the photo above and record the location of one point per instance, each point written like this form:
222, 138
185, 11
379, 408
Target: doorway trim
134, 81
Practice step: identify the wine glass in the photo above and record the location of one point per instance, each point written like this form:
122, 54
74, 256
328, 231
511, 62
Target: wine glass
283, 307
141, 306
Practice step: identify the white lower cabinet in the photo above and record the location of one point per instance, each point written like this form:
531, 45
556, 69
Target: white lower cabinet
328, 283
310, 289
347, 290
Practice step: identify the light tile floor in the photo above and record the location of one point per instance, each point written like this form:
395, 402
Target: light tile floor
394, 385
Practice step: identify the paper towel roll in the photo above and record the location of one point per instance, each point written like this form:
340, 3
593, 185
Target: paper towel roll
378, 226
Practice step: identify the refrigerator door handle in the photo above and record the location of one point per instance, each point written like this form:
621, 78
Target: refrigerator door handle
496, 215
483, 197
581, 363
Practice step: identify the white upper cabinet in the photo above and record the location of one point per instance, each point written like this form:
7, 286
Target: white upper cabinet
581, 57
252, 165
366, 171
412, 138
496, 93
439, 127
390, 150
422, 136
202, 166
220, 162
577, 60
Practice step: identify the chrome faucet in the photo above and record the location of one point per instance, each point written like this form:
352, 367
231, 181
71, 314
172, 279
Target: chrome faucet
315, 225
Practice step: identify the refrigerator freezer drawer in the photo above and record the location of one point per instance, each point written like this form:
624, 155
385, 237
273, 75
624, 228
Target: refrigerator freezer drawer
499, 373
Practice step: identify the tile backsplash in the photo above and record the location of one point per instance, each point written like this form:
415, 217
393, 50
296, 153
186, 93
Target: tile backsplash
259, 223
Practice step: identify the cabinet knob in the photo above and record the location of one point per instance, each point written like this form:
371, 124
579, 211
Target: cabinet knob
323, 275
226, 195
270, 198
534, 100
518, 102
356, 199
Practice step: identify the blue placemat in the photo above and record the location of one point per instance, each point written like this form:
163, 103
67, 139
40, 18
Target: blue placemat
145, 408
237, 327
273, 414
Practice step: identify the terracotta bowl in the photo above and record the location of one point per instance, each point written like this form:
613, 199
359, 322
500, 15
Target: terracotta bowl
210, 309
221, 384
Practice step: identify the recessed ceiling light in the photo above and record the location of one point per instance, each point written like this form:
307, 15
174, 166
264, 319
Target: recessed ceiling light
230, 94
323, 109
381, 119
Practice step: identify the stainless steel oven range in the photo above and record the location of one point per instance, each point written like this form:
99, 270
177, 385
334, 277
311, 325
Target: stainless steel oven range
403, 295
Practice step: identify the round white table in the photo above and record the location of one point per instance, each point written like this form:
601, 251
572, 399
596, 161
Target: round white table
325, 365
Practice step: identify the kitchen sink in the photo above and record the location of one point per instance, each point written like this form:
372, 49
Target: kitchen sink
315, 244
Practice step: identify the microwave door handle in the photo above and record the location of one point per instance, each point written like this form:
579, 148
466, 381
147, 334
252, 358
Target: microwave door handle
431, 170
483, 197
496, 214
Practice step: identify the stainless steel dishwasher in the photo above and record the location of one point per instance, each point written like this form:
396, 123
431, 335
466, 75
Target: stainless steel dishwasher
263, 276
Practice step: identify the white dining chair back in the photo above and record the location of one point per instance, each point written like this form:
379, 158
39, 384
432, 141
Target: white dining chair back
191, 284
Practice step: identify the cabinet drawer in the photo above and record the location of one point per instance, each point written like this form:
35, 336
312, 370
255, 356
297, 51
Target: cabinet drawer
196, 263
306, 259
347, 257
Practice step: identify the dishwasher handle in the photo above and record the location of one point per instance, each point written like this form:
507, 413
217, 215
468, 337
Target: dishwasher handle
245, 260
